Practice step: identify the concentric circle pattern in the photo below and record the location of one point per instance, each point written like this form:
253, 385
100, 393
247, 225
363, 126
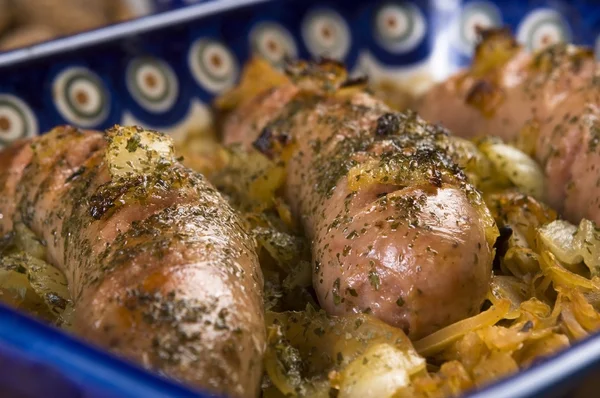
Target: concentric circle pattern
16, 120
213, 65
326, 34
542, 28
152, 83
399, 27
81, 97
474, 17
273, 42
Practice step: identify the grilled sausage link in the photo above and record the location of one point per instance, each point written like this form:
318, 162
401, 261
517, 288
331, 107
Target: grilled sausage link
159, 266
553, 97
396, 228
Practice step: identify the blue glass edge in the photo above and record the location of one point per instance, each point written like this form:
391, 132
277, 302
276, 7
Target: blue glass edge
81, 366
29, 347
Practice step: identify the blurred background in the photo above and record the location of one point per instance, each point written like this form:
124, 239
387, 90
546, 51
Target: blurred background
26, 22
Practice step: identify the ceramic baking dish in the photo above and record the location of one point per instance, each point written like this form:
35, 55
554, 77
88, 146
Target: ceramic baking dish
194, 50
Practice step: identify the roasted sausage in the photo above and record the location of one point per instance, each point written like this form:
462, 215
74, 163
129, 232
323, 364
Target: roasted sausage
160, 269
396, 228
553, 97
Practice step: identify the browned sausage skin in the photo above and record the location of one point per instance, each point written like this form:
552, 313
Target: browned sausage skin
396, 228
159, 267
553, 95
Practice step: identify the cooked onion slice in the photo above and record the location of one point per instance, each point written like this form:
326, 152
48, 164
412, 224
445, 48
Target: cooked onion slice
508, 288
572, 245
379, 372
563, 277
437, 341
588, 240
558, 237
362, 355
516, 166
134, 151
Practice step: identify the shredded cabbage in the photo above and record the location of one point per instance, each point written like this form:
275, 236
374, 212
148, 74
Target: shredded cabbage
25, 240
561, 276
33, 285
439, 340
509, 288
544, 294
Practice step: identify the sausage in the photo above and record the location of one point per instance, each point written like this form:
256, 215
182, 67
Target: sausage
553, 95
414, 246
160, 268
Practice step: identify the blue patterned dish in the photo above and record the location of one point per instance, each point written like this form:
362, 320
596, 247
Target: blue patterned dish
163, 70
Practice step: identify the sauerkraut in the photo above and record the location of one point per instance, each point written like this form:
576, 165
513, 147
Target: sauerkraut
544, 294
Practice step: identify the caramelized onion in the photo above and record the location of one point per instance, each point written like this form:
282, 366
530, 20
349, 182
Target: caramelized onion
439, 340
